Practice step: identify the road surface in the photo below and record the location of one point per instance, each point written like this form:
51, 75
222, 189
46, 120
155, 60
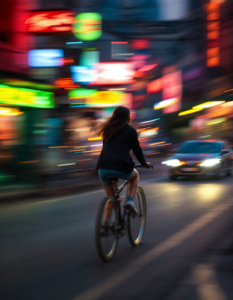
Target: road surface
48, 250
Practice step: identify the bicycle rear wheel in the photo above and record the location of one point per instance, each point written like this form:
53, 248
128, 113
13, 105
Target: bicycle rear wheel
136, 224
106, 235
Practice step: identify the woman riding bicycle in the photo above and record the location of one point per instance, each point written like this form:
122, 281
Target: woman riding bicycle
119, 138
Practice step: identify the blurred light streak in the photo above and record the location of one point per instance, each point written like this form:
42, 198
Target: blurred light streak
76, 150
28, 162
153, 153
68, 60
149, 132
85, 159
9, 112
157, 143
27, 84
208, 104
217, 1
147, 68
97, 145
73, 43
149, 121
230, 103
58, 147
190, 111
165, 103
117, 89
216, 121
89, 151
68, 164
142, 129
204, 136
228, 91
165, 144
119, 42
95, 138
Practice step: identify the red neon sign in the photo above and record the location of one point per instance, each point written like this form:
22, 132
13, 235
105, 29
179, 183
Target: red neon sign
50, 21
66, 83
155, 86
113, 73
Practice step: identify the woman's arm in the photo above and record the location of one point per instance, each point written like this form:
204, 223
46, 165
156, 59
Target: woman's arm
137, 150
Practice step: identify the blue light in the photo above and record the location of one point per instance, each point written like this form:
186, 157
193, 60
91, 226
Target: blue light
82, 74
73, 43
45, 58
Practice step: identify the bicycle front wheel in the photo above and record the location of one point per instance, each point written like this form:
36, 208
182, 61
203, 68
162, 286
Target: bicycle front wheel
106, 235
136, 224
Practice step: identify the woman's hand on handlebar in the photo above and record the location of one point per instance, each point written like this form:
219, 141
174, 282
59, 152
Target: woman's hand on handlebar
148, 165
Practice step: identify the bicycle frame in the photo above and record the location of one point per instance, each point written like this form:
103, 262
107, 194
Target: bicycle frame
121, 217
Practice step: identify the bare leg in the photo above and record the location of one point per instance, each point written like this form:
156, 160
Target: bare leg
109, 191
133, 184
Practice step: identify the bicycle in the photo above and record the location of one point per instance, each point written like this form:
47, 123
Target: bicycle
117, 224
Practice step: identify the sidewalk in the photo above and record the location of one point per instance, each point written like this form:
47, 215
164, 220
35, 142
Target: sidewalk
19, 191
212, 278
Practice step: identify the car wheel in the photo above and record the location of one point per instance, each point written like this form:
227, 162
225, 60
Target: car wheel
173, 177
219, 173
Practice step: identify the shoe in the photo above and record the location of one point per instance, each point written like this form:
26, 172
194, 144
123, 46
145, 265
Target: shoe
105, 228
131, 207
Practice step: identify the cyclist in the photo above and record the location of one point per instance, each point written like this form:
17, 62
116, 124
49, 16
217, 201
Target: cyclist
118, 139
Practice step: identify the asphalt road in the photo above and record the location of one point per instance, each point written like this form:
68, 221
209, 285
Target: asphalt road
48, 251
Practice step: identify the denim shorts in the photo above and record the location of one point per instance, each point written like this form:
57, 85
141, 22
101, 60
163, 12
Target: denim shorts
103, 174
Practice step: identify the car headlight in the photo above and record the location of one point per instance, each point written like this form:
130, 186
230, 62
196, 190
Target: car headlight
210, 162
172, 163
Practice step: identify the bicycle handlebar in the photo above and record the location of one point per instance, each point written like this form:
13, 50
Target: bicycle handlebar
139, 166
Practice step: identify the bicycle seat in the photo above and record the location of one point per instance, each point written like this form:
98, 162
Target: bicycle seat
113, 178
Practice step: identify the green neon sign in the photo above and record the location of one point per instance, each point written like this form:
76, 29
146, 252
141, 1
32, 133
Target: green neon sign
25, 97
88, 26
81, 93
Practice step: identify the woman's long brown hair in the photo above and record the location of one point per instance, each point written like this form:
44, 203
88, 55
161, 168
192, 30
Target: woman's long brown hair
120, 117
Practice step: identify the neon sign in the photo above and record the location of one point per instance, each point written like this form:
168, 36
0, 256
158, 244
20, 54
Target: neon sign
25, 97
81, 93
88, 26
172, 89
83, 74
50, 21
113, 73
213, 34
66, 83
155, 86
46, 58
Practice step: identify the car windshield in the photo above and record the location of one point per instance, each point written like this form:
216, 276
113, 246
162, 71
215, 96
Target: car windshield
200, 147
